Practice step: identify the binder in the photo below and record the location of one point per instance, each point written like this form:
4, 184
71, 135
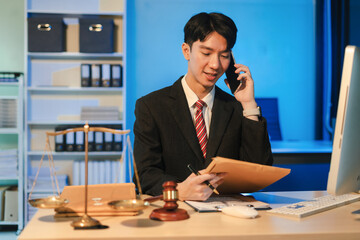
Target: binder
106, 75
96, 75
108, 141
117, 139
116, 75
85, 75
82, 173
91, 141
2, 201
102, 179
70, 141
107, 172
91, 172
79, 141
76, 173
11, 206
99, 141
59, 140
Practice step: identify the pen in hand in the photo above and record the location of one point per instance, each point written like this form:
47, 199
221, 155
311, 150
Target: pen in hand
206, 182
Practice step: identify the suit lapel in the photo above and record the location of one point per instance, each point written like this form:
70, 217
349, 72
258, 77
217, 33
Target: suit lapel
221, 115
179, 108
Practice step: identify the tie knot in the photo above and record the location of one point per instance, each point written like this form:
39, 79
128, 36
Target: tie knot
200, 104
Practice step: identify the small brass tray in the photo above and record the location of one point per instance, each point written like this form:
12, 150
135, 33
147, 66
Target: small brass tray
50, 202
129, 205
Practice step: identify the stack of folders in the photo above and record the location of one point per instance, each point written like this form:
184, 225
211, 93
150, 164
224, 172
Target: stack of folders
8, 113
8, 163
101, 113
44, 181
97, 141
101, 75
99, 172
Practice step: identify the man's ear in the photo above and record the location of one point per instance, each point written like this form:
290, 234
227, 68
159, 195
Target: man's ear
186, 51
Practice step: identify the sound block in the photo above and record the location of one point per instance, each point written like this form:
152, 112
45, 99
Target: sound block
162, 214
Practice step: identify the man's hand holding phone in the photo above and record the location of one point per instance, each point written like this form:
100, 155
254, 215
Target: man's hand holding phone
240, 82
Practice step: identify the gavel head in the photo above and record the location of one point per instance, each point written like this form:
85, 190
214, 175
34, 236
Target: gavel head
170, 195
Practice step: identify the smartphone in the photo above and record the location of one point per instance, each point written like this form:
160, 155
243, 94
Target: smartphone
231, 76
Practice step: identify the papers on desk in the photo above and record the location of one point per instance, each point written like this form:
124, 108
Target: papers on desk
216, 203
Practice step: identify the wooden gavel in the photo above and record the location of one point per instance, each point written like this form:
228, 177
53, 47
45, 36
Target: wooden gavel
170, 210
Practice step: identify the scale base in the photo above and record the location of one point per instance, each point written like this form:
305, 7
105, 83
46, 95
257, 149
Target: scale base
87, 222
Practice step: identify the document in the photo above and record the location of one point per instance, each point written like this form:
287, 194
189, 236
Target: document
245, 177
216, 203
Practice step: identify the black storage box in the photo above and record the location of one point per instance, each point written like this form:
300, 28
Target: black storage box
46, 34
96, 35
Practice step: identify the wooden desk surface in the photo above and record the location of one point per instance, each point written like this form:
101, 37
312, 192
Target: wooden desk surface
337, 224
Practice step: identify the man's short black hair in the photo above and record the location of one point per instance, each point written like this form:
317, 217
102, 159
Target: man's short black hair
201, 25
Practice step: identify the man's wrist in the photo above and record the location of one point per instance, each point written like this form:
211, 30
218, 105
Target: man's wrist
252, 112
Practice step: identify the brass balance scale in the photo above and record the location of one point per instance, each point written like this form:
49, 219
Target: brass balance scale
56, 201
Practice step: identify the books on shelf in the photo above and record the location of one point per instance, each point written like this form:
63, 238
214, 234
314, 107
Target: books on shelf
101, 75
9, 76
99, 172
97, 141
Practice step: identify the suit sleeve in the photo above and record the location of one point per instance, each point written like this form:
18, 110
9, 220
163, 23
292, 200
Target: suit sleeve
255, 142
148, 151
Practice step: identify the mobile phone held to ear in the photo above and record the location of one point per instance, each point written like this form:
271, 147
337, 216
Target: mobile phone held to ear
231, 76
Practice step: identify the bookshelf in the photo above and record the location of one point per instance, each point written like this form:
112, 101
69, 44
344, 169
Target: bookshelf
11, 140
53, 92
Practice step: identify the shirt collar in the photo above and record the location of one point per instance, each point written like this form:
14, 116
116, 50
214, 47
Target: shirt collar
192, 98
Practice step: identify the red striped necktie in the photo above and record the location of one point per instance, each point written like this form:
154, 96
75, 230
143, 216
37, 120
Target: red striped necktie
200, 126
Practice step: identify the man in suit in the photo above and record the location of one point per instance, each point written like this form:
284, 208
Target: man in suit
173, 128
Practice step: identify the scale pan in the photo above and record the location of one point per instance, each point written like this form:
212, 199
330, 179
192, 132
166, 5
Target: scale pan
129, 205
49, 202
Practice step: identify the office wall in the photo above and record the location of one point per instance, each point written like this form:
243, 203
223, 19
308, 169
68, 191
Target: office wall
12, 35
275, 39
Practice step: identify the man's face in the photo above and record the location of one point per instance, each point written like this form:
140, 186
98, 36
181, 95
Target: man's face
207, 61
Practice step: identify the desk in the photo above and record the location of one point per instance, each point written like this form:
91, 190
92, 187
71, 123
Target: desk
291, 152
333, 224
309, 162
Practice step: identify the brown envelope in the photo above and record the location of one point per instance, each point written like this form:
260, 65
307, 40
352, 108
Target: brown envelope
98, 197
245, 177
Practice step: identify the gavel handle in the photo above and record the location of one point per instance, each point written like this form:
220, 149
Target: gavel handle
153, 199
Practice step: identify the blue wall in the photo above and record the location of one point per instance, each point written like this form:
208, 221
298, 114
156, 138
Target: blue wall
276, 40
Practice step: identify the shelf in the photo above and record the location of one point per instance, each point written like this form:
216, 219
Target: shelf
8, 97
76, 154
55, 123
48, 106
8, 223
74, 14
37, 191
10, 179
9, 131
99, 90
9, 83
74, 55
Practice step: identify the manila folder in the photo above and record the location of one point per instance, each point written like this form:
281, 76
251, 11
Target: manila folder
245, 177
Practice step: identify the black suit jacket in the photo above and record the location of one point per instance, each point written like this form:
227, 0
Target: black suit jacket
166, 142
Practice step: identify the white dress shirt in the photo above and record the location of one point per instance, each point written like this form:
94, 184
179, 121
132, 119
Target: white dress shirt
192, 99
